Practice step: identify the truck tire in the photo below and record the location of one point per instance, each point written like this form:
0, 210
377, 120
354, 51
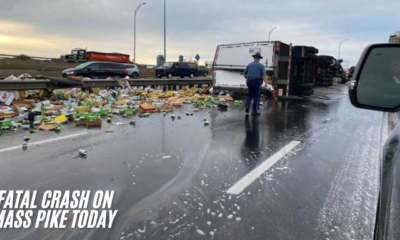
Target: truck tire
307, 92
135, 75
325, 82
306, 86
191, 75
169, 75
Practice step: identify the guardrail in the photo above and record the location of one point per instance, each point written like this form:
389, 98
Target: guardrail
59, 83
26, 57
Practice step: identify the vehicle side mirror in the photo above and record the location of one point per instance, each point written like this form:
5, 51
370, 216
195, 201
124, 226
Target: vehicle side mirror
376, 80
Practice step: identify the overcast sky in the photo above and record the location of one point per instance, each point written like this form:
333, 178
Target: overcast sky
51, 28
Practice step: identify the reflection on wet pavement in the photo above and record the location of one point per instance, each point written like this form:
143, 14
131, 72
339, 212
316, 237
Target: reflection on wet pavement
170, 177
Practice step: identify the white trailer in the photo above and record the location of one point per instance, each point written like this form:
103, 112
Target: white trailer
231, 60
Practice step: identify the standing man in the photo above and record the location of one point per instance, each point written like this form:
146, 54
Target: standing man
255, 75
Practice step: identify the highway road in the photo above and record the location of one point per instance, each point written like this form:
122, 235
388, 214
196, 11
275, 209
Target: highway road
306, 168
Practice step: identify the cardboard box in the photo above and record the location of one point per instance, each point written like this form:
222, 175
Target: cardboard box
80, 123
95, 123
147, 107
6, 97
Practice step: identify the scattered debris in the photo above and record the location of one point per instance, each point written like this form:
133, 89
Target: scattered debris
57, 129
228, 97
47, 127
82, 153
24, 145
119, 123
223, 107
200, 232
94, 123
50, 109
60, 119
27, 138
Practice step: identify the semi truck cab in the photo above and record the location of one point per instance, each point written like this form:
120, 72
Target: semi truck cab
79, 55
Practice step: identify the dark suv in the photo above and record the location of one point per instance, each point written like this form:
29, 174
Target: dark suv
177, 69
351, 72
100, 70
202, 71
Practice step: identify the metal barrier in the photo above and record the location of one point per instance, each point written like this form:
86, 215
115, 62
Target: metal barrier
26, 57
59, 83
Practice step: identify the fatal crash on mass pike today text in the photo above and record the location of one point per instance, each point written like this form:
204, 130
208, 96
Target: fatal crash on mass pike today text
56, 209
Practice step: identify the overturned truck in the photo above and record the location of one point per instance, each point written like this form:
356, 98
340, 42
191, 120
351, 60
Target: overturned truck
292, 69
304, 63
329, 71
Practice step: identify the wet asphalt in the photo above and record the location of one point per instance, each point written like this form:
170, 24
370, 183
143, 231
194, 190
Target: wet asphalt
170, 177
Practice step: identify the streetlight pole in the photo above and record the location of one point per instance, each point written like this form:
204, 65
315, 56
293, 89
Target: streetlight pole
269, 34
134, 40
165, 31
340, 45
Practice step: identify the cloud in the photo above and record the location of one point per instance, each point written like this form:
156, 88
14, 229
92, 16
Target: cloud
52, 28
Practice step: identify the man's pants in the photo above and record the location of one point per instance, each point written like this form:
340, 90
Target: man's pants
254, 86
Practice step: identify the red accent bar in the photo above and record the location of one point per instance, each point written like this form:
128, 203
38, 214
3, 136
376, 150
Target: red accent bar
277, 47
107, 57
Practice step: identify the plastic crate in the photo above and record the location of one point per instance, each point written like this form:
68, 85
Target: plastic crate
128, 112
6, 124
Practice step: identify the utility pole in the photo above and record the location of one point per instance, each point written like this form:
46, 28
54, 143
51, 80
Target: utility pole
270, 32
340, 45
165, 31
134, 40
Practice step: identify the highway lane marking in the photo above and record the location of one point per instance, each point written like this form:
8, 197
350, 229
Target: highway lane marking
247, 180
43, 142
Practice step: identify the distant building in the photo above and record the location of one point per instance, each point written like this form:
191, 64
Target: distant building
180, 58
160, 60
395, 38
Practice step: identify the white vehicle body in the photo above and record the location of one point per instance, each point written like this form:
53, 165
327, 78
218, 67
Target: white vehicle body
132, 69
231, 61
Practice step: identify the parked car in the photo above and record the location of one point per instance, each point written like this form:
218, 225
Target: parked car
351, 72
177, 69
133, 70
375, 86
202, 71
101, 70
